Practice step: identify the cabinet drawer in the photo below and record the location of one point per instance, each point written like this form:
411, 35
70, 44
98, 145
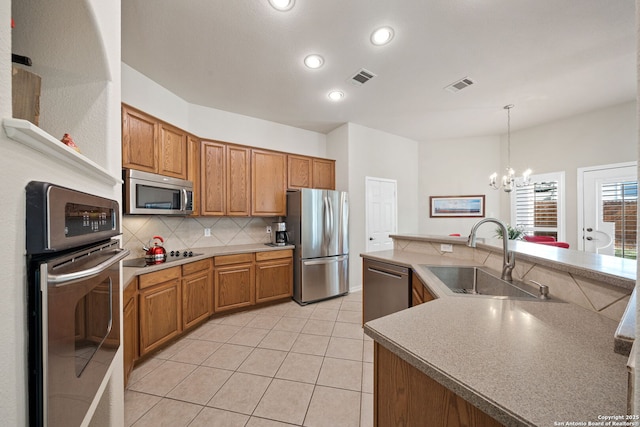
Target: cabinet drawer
194, 267
233, 259
264, 256
157, 277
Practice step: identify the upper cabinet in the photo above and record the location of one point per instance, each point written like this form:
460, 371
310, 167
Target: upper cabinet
310, 172
139, 135
268, 183
324, 174
151, 145
172, 152
214, 178
228, 179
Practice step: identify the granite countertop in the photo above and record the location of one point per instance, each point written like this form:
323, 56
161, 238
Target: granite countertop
129, 273
525, 363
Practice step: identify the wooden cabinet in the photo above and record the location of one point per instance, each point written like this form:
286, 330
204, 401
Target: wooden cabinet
160, 306
197, 292
172, 151
274, 275
324, 174
234, 282
139, 135
419, 292
213, 183
238, 195
299, 171
130, 328
268, 183
405, 396
150, 145
310, 172
193, 170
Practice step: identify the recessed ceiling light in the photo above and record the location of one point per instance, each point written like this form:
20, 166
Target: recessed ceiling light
382, 36
314, 61
282, 5
336, 95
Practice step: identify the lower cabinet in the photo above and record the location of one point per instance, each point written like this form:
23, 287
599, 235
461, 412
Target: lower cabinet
405, 396
130, 328
197, 292
274, 275
160, 308
234, 282
419, 292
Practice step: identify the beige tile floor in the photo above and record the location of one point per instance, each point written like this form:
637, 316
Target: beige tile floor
282, 365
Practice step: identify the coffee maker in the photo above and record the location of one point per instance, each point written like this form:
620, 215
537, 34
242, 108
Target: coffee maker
279, 233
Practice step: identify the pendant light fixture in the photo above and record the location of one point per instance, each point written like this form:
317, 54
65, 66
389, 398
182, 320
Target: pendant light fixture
509, 180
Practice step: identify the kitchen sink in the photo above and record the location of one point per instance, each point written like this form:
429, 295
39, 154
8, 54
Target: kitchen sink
478, 281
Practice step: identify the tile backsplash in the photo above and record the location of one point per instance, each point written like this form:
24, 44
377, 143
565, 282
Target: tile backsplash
188, 233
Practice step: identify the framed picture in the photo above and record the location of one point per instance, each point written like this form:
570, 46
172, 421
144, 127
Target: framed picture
457, 206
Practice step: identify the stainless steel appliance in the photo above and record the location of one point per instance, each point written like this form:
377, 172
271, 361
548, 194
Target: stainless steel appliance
150, 193
386, 289
73, 272
279, 234
318, 226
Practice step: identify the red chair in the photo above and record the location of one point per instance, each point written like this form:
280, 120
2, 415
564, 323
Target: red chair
539, 239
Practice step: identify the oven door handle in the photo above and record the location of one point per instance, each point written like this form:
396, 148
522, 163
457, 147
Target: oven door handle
61, 279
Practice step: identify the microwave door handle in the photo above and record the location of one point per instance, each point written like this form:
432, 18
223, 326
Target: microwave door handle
62, 279
183, 200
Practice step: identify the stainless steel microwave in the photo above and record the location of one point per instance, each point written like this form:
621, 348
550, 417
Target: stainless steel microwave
152, 194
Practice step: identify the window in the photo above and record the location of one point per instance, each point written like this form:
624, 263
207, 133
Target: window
538, 208
619, 207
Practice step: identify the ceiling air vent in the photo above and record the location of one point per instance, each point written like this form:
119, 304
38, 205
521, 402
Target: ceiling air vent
361, 77
459, 85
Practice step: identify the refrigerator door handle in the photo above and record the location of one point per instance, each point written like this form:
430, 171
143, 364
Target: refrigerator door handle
326, 260
327, 218
331, 219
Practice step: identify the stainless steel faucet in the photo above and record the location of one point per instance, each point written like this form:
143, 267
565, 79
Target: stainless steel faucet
509, 259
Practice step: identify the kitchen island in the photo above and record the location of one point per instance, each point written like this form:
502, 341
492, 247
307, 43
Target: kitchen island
522, 363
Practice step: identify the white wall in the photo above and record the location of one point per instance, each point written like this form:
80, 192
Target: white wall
209, 123
374, 153
458, 167
81, 96
605, 136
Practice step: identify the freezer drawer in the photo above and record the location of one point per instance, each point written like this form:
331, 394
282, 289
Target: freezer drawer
321, 278
386, 289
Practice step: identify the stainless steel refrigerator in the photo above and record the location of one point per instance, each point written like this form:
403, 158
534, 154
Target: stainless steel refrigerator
318, 226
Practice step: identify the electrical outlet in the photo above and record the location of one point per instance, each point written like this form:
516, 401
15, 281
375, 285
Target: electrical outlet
446, 248
268, 229
207, 232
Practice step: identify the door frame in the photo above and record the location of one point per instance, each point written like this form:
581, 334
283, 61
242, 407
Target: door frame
367, 180
580, 195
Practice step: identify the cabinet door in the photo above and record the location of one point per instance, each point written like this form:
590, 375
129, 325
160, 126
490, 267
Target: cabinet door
234, 287
172, 153
324, 172
193, 170
213, 170
139, 134
238, 181
129, 328
197, 292
268, 183
274, 279
160, 315
298, 171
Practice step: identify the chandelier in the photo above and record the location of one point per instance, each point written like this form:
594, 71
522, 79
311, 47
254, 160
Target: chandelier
509, 180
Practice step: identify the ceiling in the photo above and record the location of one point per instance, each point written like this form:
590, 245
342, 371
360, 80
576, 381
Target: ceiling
550, 58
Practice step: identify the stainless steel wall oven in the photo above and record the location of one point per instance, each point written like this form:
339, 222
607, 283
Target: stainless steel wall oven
73, 272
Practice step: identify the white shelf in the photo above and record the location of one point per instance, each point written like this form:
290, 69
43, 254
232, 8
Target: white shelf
32, 136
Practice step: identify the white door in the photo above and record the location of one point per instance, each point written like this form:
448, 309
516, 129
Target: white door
607, 214
381, 213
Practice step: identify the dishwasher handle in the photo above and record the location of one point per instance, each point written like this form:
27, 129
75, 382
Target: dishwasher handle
387, 273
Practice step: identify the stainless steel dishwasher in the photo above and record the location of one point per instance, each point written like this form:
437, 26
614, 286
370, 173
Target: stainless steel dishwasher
386, 289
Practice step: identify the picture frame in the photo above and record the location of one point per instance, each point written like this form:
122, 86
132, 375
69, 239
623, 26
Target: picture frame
457, 206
